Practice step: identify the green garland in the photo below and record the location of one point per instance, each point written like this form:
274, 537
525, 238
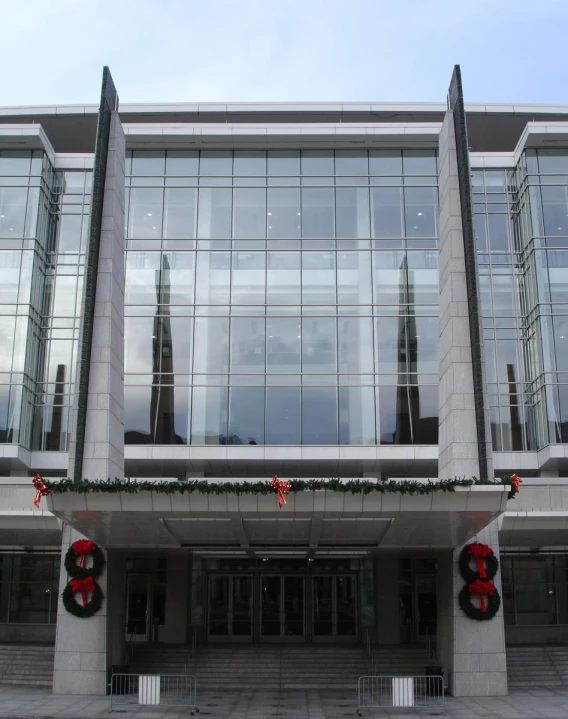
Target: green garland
203, 486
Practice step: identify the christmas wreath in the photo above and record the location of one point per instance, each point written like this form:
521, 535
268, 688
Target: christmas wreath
83, 581
479, 582
481, 553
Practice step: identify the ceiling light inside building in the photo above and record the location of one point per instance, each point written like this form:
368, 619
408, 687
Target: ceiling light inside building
149, 214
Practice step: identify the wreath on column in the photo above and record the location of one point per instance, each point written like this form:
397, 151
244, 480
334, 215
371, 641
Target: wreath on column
479, 583
83, 579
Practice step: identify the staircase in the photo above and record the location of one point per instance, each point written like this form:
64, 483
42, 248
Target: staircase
258, 666
29, 664
537, 666
401, 660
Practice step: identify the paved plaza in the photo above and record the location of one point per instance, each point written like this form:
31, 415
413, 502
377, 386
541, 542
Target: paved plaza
19, 702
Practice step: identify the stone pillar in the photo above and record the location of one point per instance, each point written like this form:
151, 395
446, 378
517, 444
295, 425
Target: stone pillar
472, 652
458, 450
80, 644
104, 431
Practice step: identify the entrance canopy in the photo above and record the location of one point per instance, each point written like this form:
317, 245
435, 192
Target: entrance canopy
321, 522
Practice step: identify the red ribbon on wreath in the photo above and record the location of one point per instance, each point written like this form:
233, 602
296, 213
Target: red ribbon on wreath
82, 548
42, 490
83, 586
481, 588
479, 552
282, 488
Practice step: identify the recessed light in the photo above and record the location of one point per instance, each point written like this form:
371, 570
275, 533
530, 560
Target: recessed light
419, 214
1, 215
11, 229
299, 213
269, 227
299, 336
269, 213
149, 214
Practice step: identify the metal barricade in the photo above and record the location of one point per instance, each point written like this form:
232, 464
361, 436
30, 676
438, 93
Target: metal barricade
390, 691
167, 690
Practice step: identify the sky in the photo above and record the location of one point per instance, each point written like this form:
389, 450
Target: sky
283, 50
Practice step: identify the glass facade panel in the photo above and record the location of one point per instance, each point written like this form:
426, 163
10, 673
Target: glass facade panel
265, 334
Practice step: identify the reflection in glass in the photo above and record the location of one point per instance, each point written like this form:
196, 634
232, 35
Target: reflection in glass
356, 415
386, 212
249, 212
146, 206
180, 213
352, 212
209, 415
283, 213
214, 212
318, 215
283, 415
246, 415
319, 415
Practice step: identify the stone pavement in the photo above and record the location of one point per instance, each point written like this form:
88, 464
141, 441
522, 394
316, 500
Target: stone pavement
32, 703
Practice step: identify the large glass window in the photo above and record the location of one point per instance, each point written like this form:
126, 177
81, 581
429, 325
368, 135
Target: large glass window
276, 297
28, 588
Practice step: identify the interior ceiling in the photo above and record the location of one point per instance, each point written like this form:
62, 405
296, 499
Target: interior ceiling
488, 132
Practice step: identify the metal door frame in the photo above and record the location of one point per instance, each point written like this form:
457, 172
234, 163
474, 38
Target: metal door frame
282, 637
133, 636
335, 638
230, 637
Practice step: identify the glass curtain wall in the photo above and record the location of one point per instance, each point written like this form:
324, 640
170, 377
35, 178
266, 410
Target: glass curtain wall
281, 297
27, 180
500, 273
62, 310
540, 223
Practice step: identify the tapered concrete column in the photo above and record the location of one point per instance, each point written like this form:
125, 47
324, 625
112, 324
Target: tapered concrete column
80, 644
458, 449
472, 652
104, 432
97, 446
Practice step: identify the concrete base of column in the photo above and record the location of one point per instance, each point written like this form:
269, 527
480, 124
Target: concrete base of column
80, 644
472, 652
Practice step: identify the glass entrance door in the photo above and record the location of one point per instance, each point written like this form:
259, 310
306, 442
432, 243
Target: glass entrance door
282, 608
230, 608
138, 607
334, 606
424, 607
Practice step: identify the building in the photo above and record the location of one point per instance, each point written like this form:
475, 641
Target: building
314, 291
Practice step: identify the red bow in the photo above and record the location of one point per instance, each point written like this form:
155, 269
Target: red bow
42, 490
480, 552
282, 488
481, 588
83, 547
83, 586
516, 480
